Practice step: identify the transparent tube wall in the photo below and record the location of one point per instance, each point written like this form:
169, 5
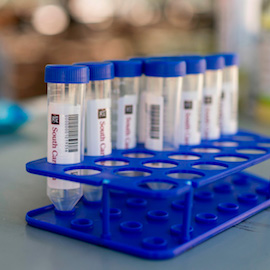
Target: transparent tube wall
141, 114
190, 110
229, 101
124, 112
65, 143
163, 112
98, 128
210, 122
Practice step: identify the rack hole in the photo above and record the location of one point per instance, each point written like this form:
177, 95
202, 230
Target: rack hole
110, 162
228, 207
160, 165
206, 150
131, 226
133, 173
115, 213
178, 205
138, 155
158, 215
81, 224
231, 158
185, 175
177, 229
81, 172
264, 144
209, 166
184, 157
223, 188
263, 190
243, 138
203, 196
226, 144
154, 242
251, 151
136, 202
206, 218
248, 198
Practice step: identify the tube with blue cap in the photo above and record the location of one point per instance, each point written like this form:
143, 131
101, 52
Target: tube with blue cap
66, 85
190, 107
98, 118
210, 127
124, 103
229, 101
163, 99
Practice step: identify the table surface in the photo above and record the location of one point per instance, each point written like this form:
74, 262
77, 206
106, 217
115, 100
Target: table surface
244, 246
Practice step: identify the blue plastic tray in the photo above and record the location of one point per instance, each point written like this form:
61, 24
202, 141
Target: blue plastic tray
146, 208
153, 228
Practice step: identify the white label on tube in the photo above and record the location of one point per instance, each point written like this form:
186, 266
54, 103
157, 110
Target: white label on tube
154, 122
126, 122
190, 111
64, 139
210, 117
98, 124
229, 107
142, 118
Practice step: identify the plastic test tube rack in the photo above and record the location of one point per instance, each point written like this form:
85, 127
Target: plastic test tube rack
200, 194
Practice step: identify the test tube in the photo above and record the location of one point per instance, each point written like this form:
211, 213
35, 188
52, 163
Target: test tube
98, 117
163, 98
210, 125
229, 96
141, 114
66, 86
191, 99
124, 103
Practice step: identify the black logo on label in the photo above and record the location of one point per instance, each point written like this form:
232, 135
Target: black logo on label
128, 109
222, 95
207, 100
55, 119
102, 113
188, 105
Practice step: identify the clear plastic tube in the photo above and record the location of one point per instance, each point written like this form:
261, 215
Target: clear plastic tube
229, 100
163, 106
65, 143
210, 121
98, 128
124, 112
190, 112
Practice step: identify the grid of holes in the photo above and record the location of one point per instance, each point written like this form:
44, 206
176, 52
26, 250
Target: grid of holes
227, 209
191, 164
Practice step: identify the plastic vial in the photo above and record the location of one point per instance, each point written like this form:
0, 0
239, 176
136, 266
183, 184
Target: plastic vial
163, 99
66, 86
124, 103
191, 100
210, 127
229, 96
141, 114
98, 117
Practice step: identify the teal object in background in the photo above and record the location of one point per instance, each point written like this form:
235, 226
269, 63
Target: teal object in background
12, 116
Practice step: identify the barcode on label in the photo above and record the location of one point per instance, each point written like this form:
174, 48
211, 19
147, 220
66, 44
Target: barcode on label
71, 133
154, 121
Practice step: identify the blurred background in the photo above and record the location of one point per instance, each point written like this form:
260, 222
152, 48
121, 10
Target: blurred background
34, 33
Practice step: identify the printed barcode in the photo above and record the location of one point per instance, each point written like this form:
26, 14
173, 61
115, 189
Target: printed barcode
71, 133
154, 121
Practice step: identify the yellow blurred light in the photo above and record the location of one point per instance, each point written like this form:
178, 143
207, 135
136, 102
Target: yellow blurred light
50, 20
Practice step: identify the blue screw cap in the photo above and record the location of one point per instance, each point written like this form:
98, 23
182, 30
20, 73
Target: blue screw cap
99, 70
127, 68
231, 59
66, 74
214, 62
165, 68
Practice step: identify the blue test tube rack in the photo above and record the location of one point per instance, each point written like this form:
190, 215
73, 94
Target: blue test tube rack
157, 205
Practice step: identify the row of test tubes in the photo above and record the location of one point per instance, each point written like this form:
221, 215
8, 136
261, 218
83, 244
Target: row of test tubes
161, 102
